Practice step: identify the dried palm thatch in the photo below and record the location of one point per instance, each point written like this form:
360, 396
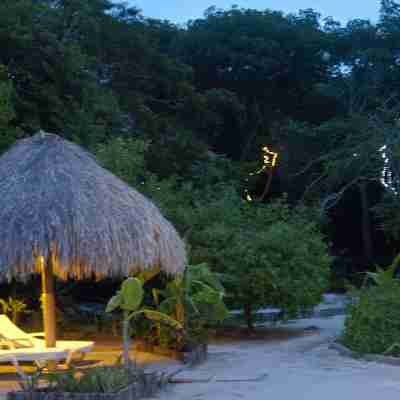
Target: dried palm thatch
54, 197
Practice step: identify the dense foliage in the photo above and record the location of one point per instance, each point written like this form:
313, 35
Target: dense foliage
272, 255
373, 324
246, 242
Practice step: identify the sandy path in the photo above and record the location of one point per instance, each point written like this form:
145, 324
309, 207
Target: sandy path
300, 368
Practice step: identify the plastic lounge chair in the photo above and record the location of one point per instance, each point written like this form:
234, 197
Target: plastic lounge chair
39, 357
23, 346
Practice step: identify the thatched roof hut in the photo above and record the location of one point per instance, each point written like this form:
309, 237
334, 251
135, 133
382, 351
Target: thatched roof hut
54, 195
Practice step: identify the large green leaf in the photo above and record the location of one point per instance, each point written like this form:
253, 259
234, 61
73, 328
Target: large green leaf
157, 316
114, 302
167, 306
132, 294
202, 273
190, 305
156, 295
5, 306
212, 300
220, 311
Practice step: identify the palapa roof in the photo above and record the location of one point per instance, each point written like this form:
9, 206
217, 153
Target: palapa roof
54, 194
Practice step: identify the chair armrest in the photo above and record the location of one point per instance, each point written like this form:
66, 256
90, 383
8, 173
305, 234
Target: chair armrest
37, 334
14, 343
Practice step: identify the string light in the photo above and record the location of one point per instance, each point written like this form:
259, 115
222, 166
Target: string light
387, 174
247, 195
270, 159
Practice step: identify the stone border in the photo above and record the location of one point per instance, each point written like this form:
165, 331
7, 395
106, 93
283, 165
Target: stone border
196, 356
345, 351
134, 391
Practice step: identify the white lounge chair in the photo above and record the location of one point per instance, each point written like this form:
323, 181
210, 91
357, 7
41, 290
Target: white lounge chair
39, 357
22, 346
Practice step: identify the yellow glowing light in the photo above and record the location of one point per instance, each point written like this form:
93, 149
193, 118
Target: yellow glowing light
270, 159
248, 197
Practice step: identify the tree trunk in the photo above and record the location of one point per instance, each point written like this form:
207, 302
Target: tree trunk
126, 338
248, 316
366, 223
267, 184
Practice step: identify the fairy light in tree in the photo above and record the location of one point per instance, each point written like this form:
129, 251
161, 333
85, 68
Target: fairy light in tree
247, 195
270, 159
387, 174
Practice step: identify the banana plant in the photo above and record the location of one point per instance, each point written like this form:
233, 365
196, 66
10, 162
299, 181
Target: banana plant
129, 299
196, 295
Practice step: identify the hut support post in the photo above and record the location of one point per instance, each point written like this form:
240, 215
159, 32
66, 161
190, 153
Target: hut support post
49, 304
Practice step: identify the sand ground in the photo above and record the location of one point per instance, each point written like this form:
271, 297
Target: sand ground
301, 368
283, 366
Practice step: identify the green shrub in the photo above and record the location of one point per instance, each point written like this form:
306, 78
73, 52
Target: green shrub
373, 322
272, 254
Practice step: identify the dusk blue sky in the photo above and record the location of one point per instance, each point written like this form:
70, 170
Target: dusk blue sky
180, 11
